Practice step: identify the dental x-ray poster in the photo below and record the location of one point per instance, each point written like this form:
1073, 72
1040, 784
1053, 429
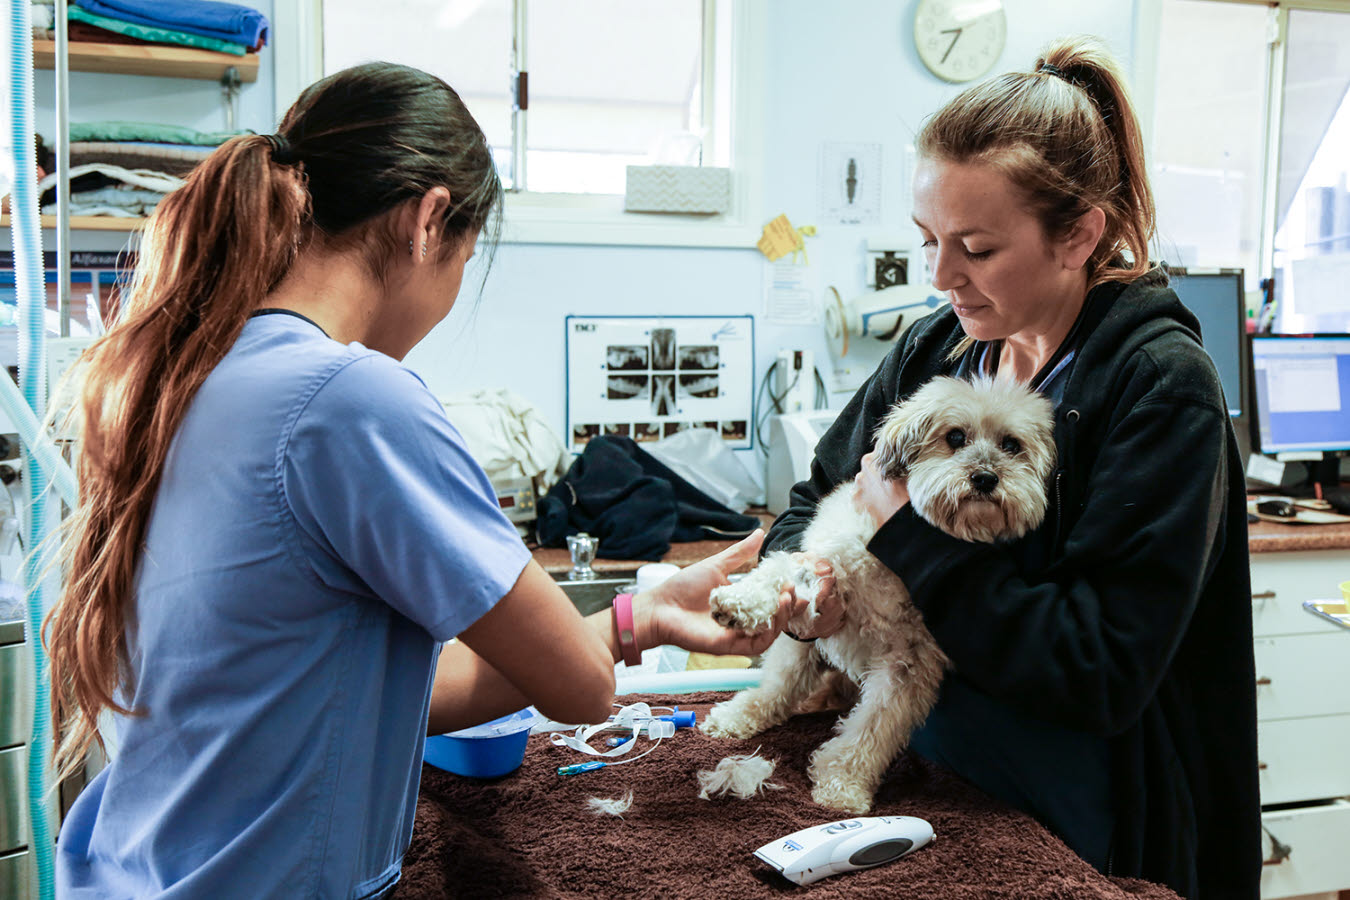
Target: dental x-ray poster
649, 377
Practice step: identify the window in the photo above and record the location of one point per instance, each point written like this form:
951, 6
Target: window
1312, 206
418, 32
1208, 155
605, 84
1251, 155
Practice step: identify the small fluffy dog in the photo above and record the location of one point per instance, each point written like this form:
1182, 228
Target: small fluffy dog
976, 457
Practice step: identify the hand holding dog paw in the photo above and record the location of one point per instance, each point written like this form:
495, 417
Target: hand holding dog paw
879, 497
676, 612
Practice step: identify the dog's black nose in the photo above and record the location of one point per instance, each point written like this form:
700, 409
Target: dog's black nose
984, 481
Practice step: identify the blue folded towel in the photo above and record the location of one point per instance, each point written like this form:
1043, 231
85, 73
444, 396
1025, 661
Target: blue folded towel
208, 18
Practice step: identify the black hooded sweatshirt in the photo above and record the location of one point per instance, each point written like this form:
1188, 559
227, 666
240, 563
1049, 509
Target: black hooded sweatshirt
1134, 624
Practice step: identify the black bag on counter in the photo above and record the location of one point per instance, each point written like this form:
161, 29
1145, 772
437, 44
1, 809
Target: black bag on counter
633, 504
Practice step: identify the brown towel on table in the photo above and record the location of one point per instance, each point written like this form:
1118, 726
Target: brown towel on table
532, 834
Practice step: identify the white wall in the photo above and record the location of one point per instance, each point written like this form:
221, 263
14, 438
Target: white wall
844, 71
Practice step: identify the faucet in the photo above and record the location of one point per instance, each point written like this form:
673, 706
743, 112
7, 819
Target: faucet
582, 547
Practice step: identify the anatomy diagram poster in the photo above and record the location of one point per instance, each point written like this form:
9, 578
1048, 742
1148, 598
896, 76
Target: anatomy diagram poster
649, 377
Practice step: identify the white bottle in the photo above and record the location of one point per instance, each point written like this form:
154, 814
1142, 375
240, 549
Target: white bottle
667, 657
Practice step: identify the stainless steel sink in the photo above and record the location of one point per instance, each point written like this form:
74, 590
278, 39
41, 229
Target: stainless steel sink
594, 594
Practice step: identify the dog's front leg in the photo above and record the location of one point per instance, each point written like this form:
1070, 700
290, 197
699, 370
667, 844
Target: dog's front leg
847, 769
752, 602
792, 671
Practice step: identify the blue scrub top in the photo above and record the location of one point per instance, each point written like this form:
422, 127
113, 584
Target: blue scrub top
319, 529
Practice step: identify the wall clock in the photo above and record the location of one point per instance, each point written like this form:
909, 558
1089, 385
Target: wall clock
959, 40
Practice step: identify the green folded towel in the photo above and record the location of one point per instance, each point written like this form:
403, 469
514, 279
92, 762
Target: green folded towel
147, 131
158, 35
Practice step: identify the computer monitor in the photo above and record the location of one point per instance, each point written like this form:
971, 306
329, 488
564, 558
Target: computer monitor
1216, 297
1301, 390
1302, 385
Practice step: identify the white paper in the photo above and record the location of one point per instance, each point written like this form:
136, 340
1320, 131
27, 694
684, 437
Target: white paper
789, 294
1322, 284
850, 183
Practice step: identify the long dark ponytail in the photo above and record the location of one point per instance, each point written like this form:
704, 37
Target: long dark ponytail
354, 146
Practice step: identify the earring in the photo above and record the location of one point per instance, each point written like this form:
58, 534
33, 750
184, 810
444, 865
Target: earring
424, 249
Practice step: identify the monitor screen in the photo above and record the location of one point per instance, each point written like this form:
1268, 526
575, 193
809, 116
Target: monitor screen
1215, 296
1302, 392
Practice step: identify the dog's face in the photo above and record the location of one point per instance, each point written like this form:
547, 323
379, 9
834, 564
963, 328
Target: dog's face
976, 456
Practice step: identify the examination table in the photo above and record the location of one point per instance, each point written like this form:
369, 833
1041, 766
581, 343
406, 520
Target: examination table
532, 834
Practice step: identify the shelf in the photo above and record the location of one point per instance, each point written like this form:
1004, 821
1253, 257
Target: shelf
147, 59
88, 223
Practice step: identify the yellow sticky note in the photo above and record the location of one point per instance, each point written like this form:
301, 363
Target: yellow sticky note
779, 238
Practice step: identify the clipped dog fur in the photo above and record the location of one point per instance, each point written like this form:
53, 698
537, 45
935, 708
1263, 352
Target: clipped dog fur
740, 776
603, 806
976, 457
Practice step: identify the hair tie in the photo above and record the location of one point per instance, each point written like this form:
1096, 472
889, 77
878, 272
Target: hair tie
282, 151
1056, 71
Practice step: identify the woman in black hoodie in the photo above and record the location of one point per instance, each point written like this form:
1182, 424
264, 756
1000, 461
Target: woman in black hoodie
1103, 676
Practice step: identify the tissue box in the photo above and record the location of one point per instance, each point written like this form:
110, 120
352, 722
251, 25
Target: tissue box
678, 189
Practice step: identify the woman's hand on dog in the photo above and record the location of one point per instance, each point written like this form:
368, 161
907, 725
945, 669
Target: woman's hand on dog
676, 611
829, 616
879, 497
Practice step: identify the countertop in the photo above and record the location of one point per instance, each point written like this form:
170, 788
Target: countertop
559, 560
1263, 537
1271, 537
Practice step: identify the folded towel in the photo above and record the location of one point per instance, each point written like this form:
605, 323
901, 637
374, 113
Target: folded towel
172, 159
147, 131
143, 178
208, 18
118, 31
116, 200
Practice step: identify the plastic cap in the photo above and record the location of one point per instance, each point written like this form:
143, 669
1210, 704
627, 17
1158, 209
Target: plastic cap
680, 719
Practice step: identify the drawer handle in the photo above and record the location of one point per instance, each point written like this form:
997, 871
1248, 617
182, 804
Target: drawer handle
1279, 851
1264, 595
1262, 681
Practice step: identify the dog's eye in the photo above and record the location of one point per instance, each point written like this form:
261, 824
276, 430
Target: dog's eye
956, 438
1011, 445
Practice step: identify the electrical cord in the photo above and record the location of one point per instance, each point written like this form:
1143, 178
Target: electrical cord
776, 400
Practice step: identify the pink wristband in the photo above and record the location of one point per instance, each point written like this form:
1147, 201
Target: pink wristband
623, 618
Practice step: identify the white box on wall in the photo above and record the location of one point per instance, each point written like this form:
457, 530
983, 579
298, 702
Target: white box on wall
678, 189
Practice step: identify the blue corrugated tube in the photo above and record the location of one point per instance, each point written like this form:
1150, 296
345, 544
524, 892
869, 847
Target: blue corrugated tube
32, 302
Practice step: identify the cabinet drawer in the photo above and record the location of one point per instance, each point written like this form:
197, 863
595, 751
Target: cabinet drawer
16, 695
1317, 837
13, 799
1282, 581
1283, 614
1303, 759
15, 874
1303, 675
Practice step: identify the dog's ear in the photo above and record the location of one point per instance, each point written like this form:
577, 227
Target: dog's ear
906, 428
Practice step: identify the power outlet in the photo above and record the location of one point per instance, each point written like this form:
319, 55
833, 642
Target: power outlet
794, 381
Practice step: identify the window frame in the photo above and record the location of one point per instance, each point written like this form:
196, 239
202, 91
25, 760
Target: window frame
595, 219
1149, 17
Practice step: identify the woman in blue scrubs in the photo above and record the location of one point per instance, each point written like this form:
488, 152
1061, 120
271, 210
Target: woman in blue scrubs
279, 528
